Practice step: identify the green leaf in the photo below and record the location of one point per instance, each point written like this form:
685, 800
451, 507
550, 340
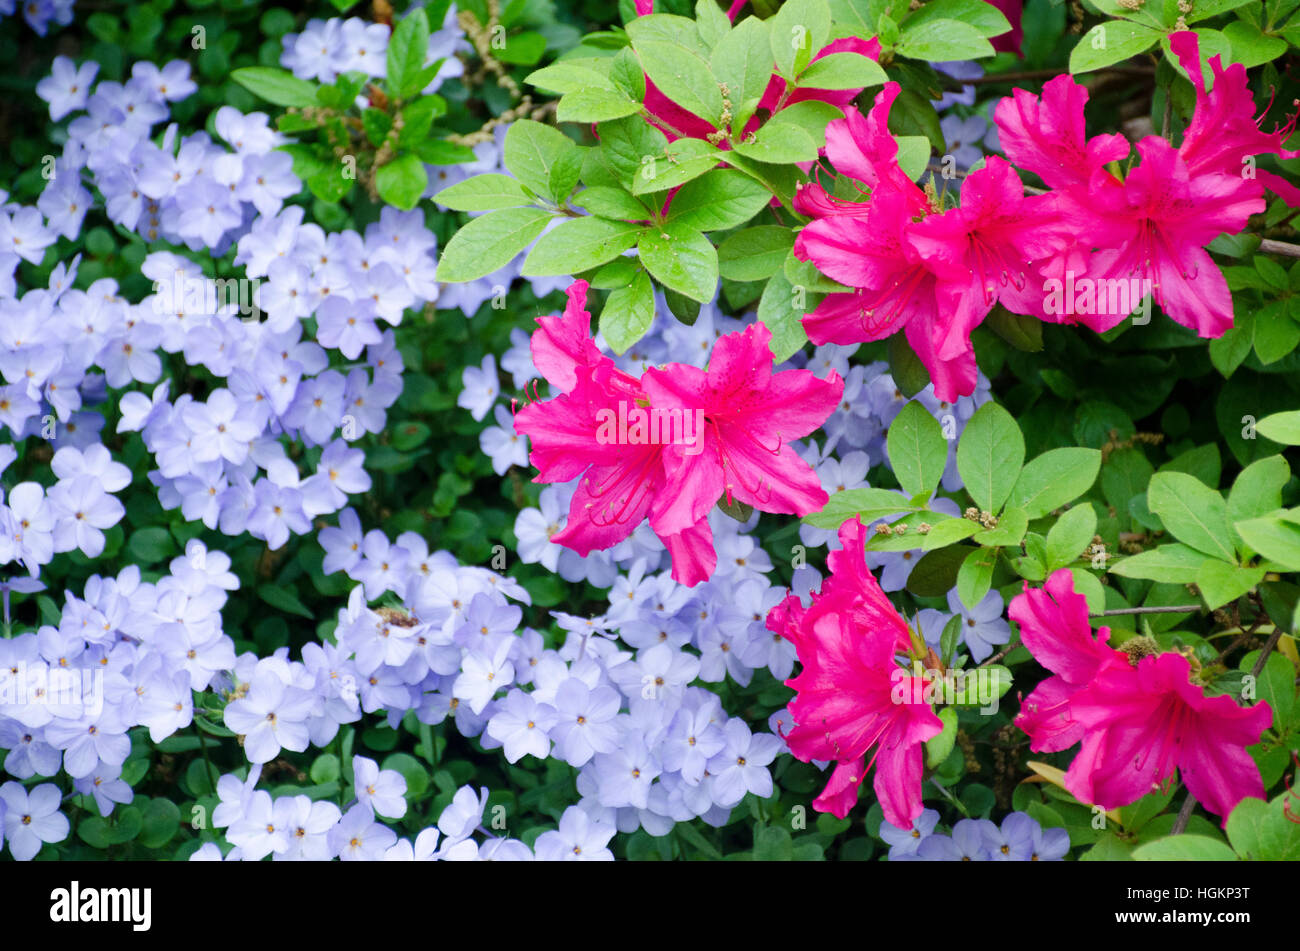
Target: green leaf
148, 546
842, 71
975, 576
277, 86
678, 163
595, 105
1281, 427
935, 573
442, 152
417, 119
772, 844
1109, 43
779, 144
989, 456
720, 199
484, 193
407, 47
941, 40
1258, 489
1185, 848
742, 61
918, 453
285, 599
779, 311
913, 155
1072, 533
1276, 333
579, 244
573, 75
1250, 47
984, 17
1174, 564
667, 28
711, 22
489, 243
909, 373
628, 314
799, 29
609, 202
940, 745
1193, 512
1220, 582
533, 152
626, 144
523, 49
755, 254
376, 123
1203, 462
1275, 686
795, 134
1274, 538
868, 504
1055, 478
1260, 831
1010, 529
402, 181
160, 820
683, 76
681, 259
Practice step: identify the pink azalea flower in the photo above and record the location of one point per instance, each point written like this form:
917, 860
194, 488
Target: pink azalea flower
1155, 228
1224, 130
981, 251
751, 416
1138, 722
1141, 723
1054, 628
852, 698
734, 423
1046, 135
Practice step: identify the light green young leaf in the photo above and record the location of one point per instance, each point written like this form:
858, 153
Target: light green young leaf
681, 259
1055, 478
1072, 533
628, 313
489, 243
580, 244
1193, 512
917, 450
989, 456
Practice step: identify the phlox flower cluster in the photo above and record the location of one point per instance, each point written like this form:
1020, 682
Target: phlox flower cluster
39, 14
126, 653
1019, 838
220, 459
326, 48
294, 828
652, 750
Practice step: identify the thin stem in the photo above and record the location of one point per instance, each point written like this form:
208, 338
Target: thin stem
1286, 250
1184, 815
1268, 649
949, 796
1170, 609
203, 745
